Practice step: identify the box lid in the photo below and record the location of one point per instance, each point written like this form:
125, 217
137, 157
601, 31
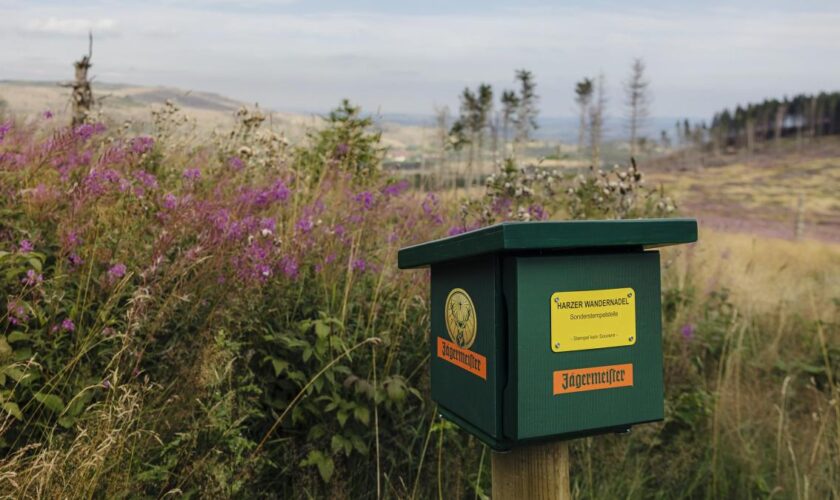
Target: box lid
550, 235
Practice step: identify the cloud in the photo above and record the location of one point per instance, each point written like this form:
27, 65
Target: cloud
54, 26
310, 55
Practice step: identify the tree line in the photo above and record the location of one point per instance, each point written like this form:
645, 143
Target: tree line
803, 115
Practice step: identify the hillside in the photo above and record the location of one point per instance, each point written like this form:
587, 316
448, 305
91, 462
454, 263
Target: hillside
766, 193
121, 102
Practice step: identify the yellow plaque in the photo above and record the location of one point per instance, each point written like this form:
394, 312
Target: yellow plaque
593, 319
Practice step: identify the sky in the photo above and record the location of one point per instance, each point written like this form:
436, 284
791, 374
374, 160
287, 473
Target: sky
395, 56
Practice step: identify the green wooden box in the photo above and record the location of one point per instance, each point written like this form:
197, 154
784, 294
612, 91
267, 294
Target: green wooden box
548, 330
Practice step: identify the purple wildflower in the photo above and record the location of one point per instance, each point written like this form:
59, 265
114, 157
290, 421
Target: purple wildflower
192, 174
143, 144
687, 331
305, 224
290, 267
267, 226
106, 384
67, 325
4, 129
16, 312
236, 163
86, 130
116, 271
359, 265
366, 199
47, 115
148, 180
98, 179
263, 271
170, 201
453, 231
395, 189
32, 278
429, 203
279, 191
537, 212
25, 246
72, 239
75, 260
341, 150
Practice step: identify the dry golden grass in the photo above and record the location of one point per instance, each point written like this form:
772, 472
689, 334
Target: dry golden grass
762, 193
765, 273
775, 408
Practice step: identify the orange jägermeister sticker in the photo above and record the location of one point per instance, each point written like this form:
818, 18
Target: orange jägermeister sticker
593, 378
463, 358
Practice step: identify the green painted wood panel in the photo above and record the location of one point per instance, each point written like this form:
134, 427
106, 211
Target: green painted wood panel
533, 411
552, 235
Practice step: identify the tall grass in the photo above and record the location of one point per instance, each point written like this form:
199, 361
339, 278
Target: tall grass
222, 317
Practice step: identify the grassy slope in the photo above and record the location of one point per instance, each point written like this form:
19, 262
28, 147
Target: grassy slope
760, 194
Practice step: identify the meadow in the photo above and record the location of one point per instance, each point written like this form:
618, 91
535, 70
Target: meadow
220, 316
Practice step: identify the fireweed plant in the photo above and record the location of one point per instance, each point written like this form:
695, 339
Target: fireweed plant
194, 291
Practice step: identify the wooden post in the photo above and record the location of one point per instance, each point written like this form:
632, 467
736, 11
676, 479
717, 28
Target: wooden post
535, 472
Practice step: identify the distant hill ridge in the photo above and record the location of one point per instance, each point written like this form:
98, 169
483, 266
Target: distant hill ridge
211, 110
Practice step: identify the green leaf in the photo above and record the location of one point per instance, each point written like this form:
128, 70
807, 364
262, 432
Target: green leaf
13, 409
326, 467
316, 432
51, 401
14, 373
359, 445
23, 353
342, 417
807, 368
16, 337
78, 403
322, 330
36, 264
337, 443
279, 366
5, 348
67, 421
395, 390
362, 414
325, 464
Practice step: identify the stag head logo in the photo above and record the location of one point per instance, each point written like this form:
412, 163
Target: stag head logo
460, 318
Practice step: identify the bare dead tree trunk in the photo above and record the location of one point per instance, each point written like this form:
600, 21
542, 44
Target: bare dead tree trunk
82, 96
750, 132
596, 121
780, 120
441, 144
636, 92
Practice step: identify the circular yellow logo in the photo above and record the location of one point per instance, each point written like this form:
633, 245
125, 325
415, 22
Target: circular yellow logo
460, 318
